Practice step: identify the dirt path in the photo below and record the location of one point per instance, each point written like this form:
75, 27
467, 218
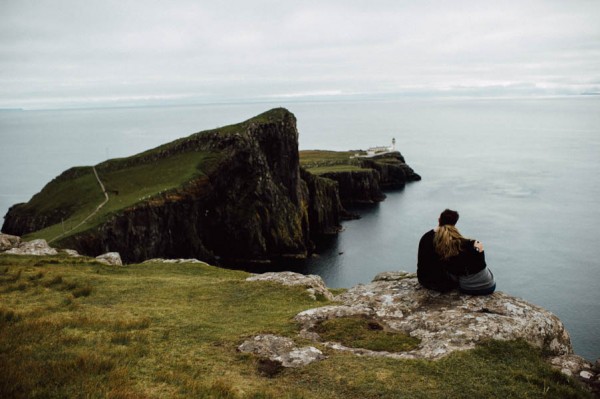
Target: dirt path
91, 214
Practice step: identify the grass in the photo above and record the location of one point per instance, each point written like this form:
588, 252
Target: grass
319, 162
360, 332
171, 331
125, 186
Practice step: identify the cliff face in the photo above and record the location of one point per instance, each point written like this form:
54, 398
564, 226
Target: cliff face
250, 205
379, 173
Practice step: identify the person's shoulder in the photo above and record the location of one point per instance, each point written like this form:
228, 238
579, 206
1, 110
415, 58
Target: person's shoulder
430, 233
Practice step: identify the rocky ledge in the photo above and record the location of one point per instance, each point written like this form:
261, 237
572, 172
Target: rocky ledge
444, 323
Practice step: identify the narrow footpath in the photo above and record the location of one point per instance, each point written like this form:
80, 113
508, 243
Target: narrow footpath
91, 214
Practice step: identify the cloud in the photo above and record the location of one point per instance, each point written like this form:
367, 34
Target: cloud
73, 51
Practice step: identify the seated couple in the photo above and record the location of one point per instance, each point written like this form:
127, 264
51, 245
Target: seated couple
447, 260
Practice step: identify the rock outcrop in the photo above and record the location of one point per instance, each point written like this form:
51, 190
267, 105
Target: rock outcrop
379, 173
444, 322
36, 247
281, 350
315, 286
251, 205
110, 258
8, 241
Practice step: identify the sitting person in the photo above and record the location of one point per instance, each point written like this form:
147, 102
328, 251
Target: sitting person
464, 259
431, 271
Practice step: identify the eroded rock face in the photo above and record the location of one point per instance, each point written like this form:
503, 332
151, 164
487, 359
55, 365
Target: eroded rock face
36, 247
110, 258
8, 241
443, 322
314, 284
282, 350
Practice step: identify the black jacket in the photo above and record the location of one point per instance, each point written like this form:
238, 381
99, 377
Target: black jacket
468, 261
431, 271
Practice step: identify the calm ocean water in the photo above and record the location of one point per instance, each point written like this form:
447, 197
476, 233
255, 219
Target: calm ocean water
522, 173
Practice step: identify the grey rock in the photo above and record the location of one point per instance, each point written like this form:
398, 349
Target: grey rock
110, 258
71, 253
394, 276
8, 241
314, 284
161, 260
443, 322
570, 364
282, 350
36, 247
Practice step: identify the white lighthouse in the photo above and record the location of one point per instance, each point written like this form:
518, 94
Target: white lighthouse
393, 147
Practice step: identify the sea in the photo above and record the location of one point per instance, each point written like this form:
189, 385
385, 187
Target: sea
524, 174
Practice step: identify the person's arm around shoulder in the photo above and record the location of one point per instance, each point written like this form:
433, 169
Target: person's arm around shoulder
478, 245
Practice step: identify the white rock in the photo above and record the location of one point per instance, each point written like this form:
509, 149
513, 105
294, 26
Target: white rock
110, 258
586, 374
36, 247
314, 284
72, 253
161, 260
282, 350
8, 241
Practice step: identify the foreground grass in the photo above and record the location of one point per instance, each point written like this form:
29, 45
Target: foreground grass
75, 328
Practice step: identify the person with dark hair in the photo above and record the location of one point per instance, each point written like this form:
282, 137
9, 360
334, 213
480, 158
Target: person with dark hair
431, 271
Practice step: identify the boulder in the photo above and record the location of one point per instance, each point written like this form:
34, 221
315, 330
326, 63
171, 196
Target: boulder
281, 350
443, 322
314, 284
8, 241
72, 253
36, 247
110, 258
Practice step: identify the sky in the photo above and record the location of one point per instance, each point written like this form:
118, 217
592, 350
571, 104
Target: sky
64, 53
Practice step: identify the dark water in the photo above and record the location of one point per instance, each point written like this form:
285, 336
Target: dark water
522, 173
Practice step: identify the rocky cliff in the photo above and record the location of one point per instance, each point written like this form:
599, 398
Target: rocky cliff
249, 203
365, 179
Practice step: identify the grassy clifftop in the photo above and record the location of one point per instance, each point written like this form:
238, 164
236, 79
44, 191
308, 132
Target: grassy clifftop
70, 327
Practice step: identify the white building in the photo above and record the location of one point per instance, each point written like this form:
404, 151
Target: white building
380, 150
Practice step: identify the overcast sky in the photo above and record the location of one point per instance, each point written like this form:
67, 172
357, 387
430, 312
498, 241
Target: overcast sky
72, 53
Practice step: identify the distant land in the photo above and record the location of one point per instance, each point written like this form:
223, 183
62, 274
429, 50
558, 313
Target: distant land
237, 194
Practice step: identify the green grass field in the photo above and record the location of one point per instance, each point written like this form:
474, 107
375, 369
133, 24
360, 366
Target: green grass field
318, 162
71, 327
125, 186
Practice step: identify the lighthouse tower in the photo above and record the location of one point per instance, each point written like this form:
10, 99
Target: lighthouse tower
393, 147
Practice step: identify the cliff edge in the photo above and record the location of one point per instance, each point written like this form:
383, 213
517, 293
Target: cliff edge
235, 194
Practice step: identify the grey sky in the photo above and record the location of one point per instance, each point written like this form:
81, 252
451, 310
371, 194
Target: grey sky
68, 53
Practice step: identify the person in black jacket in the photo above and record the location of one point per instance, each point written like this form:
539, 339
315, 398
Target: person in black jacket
447, 260
431, 270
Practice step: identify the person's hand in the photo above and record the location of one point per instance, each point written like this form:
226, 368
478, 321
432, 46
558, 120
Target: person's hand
478, 246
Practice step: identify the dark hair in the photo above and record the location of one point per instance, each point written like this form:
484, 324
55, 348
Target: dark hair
448, 217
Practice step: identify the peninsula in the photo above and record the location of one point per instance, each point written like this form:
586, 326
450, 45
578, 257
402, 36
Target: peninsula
237, 194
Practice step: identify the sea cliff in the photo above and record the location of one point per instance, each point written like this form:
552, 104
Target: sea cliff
235, 194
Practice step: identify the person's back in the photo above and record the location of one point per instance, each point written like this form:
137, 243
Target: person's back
431, 271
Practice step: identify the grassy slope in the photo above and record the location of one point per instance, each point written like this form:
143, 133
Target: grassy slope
319, 161
134, 184
75, 328
136, 178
